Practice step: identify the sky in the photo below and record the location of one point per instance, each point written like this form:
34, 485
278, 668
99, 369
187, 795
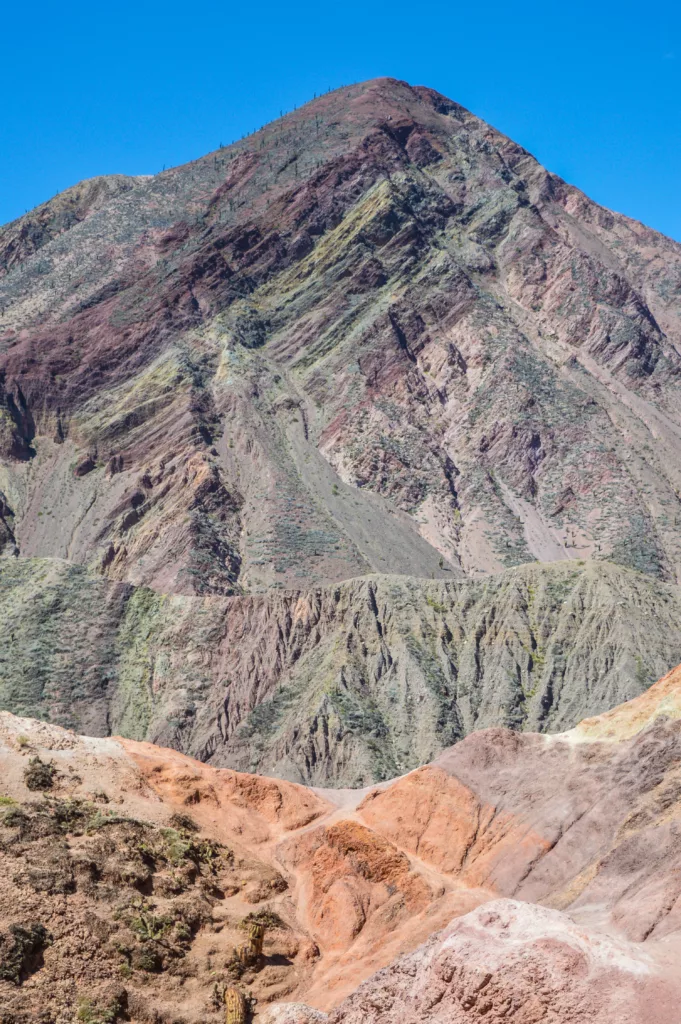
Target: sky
592, 89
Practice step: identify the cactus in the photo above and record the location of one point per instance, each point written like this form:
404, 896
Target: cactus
243, 954
256, 936
235, 1012
251, 951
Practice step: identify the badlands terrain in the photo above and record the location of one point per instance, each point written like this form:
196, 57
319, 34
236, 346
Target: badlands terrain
340, 482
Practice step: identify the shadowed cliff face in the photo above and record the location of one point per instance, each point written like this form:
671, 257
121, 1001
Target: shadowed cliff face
547, 867
374, 336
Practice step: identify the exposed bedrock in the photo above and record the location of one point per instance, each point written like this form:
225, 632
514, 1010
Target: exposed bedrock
519, 877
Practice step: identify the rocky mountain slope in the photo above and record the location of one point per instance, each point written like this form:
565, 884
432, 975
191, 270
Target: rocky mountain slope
551, 863
289, 434
349, 454
373, 335
333, 686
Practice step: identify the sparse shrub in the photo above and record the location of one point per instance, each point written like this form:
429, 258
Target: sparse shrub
100, 819
183, 823
71, 814
21, 951
183, 932
209, 853
7, 801
22, 742
14, 817
39, 775
147, 958
175, 846
148, 926
92, 1011
179, 847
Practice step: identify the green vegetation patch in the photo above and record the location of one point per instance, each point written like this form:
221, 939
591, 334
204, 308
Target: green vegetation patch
98, 1011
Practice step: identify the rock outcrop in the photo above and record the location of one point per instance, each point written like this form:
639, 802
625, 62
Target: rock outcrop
508, 961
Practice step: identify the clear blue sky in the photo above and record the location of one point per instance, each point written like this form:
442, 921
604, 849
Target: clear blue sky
593, 89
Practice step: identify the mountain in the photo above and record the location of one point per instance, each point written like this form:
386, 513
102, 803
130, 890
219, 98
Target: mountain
378, 291
518, 877
289, 434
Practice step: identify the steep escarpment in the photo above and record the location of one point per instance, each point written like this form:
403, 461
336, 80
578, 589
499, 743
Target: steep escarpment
375, 336
335, 686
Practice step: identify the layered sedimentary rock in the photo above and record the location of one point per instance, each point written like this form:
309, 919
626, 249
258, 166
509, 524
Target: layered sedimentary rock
279, 429
349, 452
376, 335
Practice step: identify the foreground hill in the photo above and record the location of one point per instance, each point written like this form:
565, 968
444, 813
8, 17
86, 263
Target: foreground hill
552, 863
344, 685
508, 961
